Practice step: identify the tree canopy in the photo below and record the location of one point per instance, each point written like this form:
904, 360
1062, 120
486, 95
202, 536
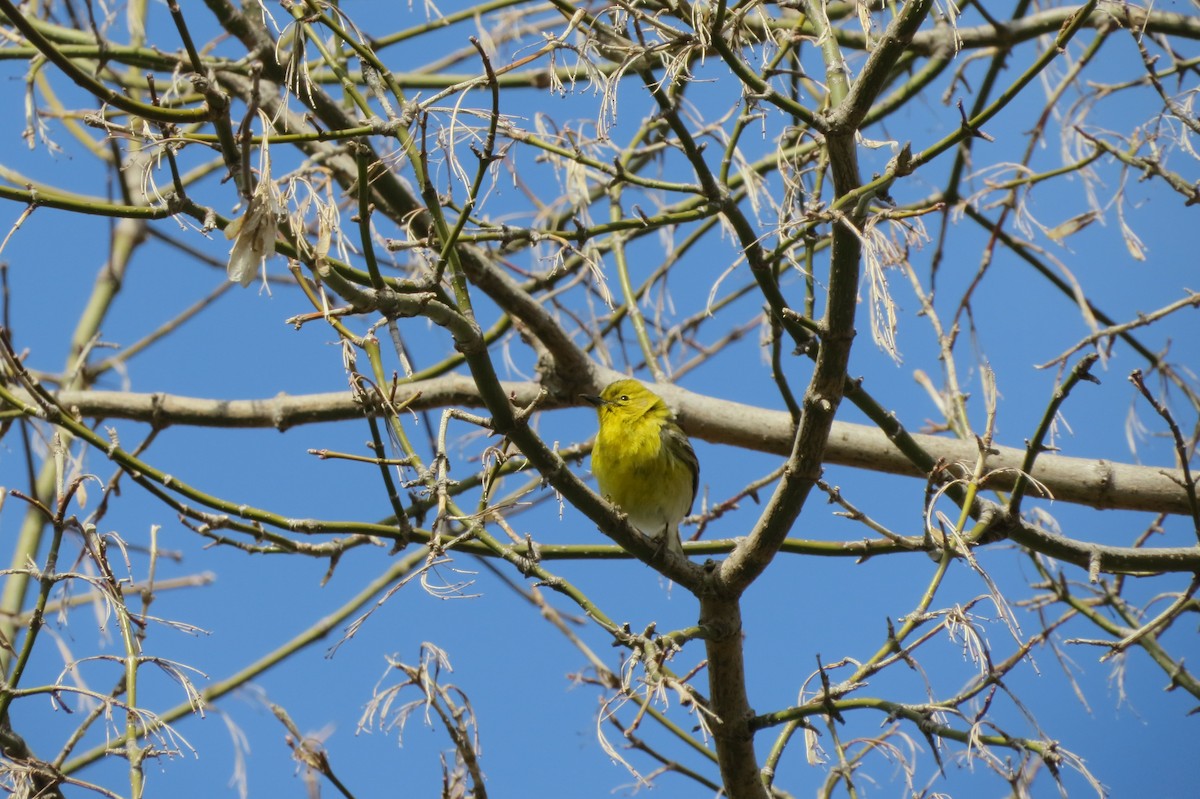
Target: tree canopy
300, 300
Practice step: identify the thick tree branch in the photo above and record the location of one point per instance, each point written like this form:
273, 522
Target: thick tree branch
1098, 483
1010, 33
849, 114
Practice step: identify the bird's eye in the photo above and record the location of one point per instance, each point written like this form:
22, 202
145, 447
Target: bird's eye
624, 398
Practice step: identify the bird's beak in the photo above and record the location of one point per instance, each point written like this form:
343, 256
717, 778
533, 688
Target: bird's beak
593, 399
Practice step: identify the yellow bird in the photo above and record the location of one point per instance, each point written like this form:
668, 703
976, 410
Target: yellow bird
643, 461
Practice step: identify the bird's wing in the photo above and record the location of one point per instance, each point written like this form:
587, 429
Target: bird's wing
676, 443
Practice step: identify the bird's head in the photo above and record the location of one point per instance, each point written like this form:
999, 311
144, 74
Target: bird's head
627, 399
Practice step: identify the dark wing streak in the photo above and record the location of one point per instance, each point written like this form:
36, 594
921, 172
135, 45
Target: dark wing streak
676, 443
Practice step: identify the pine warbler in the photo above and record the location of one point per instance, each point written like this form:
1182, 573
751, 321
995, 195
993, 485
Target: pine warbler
643, 462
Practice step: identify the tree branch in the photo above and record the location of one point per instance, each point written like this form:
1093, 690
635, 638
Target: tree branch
1098, 483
